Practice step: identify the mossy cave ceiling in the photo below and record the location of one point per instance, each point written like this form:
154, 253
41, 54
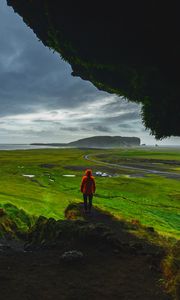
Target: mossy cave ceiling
130, 48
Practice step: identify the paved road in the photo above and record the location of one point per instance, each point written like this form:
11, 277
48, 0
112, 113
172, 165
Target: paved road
172, 175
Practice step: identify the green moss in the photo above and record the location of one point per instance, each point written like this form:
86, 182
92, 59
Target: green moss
171, 269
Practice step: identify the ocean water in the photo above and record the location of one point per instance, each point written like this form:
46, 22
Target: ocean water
23, 147
28, 146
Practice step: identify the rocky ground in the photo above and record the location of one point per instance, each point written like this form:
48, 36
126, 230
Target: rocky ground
108, 262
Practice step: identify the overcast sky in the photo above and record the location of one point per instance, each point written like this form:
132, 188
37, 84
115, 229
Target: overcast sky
41, 102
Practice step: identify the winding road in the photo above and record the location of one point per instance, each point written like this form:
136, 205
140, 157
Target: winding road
166, 174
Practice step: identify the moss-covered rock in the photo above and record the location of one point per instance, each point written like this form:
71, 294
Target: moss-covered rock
171, 269
14, 222
50, 233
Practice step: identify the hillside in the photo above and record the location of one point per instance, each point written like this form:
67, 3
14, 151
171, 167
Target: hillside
99, 142
106, 142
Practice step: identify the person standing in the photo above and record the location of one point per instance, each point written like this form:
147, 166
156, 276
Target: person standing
88, 188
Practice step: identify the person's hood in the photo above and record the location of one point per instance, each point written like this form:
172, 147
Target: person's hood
88, 172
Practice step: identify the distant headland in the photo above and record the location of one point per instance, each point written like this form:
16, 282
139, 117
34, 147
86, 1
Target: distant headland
98, 142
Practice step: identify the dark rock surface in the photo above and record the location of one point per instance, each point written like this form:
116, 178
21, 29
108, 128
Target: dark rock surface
91, 258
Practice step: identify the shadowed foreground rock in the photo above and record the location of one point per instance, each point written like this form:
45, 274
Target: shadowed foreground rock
108, 261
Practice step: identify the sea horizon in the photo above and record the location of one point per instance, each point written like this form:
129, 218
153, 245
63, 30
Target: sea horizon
26, 146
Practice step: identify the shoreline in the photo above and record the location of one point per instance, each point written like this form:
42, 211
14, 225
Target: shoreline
11, 147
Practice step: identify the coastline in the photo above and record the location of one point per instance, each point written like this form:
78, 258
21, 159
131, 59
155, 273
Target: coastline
10, 147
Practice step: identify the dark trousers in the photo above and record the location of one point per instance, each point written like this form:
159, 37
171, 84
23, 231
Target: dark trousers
86, 199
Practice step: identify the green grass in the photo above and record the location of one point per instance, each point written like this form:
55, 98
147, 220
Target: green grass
144, 153
153, 200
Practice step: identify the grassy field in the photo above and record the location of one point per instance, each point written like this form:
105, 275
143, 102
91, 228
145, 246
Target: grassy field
153, 200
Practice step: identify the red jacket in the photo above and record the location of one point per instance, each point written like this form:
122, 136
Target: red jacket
88, 185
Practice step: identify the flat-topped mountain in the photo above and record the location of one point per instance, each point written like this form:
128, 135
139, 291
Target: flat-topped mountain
99, 142
106, 141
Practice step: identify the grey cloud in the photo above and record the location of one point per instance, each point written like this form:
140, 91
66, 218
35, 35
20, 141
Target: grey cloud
119, 105
76, 129
123, 117
101, 128
46, 122
31, 74
125, 126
